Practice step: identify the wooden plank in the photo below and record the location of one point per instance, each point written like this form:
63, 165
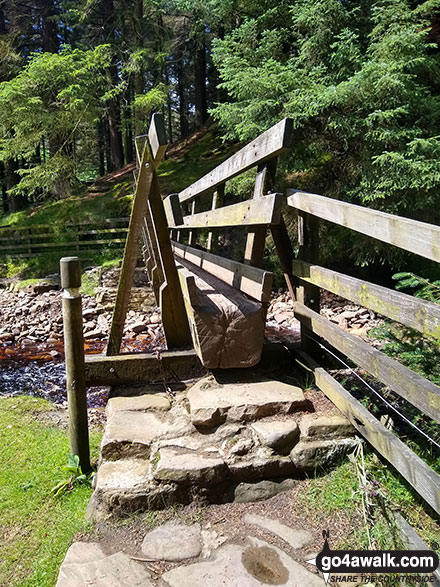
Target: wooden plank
417, 237
255, 282
141, 367
173, 210
416, 389
424, 480
157, 138
250, 213
71, 244
50, 227
130, 254
174, 318
414, 542
412, 312
271, 143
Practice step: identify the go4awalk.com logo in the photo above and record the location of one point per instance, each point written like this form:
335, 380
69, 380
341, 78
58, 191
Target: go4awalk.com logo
374, 562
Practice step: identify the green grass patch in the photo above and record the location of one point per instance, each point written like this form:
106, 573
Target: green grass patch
35, 527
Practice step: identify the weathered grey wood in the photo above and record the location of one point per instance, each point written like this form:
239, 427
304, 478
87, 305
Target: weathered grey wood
411, 235
74, 357
416, 389
174, 319
308, 235
256, 236
227, 327
157, 138
140, 199
413, 540
424, 480
55, 245
274, 141
255, 282
408, 310
217, 202
142, 367
173, 210
191, 233
252, 212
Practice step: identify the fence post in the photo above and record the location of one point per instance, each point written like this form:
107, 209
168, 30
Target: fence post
74, 355
308, 294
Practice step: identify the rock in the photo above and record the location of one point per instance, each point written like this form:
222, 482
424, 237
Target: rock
55, 354
241, 447
139, 327
283, 317
174, 541
260, 465
260, 490
295, 537
280, 435
88, 566
155, 319
94, 334
44, 286
324, 425
348, 314
141, 403
211, 403
89, 313
252, 564
183, 466
310, 455
124, 475
132, 433
6, 336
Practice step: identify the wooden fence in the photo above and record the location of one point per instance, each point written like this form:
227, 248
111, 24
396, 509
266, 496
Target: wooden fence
29, 241
411, 235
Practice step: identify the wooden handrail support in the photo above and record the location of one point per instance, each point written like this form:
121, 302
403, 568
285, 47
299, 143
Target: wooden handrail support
411, 235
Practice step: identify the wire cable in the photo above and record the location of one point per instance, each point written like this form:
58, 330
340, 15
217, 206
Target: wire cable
402, 416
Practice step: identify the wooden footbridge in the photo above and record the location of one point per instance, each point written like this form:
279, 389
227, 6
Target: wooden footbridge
214, 308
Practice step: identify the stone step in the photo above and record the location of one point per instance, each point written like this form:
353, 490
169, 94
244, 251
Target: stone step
212, 403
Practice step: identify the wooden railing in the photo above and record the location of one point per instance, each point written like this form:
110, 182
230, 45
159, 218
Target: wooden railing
411, 235
32, 240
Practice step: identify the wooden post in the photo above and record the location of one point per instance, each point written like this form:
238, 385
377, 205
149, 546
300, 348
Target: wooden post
74, 355
256, 237
284, 249
217, 202
308, 294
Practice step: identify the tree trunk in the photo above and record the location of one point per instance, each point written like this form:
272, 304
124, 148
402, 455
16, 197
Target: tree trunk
49, 30
101, 147
15, 202
201, 107
183, 100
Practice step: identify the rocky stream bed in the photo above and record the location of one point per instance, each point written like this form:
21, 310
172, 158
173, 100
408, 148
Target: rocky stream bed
31, 333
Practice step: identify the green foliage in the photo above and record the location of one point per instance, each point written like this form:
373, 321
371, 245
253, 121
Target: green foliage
361, 82
428, 290
76, 478
56, 97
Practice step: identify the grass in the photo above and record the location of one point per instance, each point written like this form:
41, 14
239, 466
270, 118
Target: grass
35, 528
330, 496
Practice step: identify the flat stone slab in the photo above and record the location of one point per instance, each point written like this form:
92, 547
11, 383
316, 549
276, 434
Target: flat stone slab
308, 455
212, 403
123, 475
130, 434
182, 466
280, 435
322, 425
141, 403
254, 564
296, 538
88, 566
174, 541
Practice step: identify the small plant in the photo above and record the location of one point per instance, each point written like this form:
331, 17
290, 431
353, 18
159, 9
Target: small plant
77, 477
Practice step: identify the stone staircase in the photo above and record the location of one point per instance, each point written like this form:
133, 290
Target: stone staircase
232, 436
